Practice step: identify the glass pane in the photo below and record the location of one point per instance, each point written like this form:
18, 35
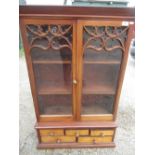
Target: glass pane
55, 104
53, 78
51, 53
97, 104
100, 78
103, 47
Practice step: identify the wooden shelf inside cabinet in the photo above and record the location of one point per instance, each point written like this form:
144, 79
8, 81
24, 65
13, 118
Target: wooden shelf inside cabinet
45, 88
51, 62
99, 89
110, 62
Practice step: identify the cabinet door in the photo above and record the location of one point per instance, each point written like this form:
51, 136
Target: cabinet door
103, 50
50, 53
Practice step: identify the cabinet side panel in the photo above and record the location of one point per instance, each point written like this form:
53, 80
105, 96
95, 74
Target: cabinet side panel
29, 66
123, 68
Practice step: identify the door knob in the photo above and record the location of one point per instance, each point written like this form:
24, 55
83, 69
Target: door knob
74, 82
77, 134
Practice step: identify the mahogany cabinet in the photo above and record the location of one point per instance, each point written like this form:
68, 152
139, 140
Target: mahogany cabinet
76, 59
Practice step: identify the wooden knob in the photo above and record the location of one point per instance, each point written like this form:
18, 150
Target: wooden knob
58, 140
74, 82
51, 134
94, 141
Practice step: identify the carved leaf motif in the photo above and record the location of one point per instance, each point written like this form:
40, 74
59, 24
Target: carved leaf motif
44, 36
107, 35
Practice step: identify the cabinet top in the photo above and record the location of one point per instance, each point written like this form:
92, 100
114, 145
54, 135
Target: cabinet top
77, 12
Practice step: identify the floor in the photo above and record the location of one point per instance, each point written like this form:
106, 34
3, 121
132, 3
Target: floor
126, 120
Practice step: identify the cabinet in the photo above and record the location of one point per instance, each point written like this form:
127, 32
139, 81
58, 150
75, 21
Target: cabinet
76, 62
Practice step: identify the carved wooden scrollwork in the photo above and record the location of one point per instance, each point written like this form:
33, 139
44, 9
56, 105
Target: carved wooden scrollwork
104, 38
50, 36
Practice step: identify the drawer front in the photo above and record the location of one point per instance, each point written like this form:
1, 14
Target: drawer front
52, 132
77, 132
77, 136
95, 139
102, 132
58, 139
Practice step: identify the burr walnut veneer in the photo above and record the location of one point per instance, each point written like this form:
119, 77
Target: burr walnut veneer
76, 59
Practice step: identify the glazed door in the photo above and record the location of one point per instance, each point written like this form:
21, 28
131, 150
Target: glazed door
50, 54
102, 55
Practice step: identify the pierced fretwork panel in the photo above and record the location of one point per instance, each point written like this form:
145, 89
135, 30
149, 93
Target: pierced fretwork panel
52, 36
105, 38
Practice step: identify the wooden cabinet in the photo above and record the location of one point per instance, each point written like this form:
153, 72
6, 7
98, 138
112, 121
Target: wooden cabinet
76, 61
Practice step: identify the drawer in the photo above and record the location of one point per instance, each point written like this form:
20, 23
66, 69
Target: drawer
76, 132
101, 132
95, 139
58, 139
52, 132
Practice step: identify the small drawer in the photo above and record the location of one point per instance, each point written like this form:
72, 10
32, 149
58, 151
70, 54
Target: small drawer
52, 132
101, 132
95, 139
77, 132
58, 139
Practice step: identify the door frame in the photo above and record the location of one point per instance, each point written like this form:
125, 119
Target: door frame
31, 75
80, 24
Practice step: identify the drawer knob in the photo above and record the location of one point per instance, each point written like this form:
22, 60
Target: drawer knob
58, 140
102, 134
94, 141
51, 134
74, 81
